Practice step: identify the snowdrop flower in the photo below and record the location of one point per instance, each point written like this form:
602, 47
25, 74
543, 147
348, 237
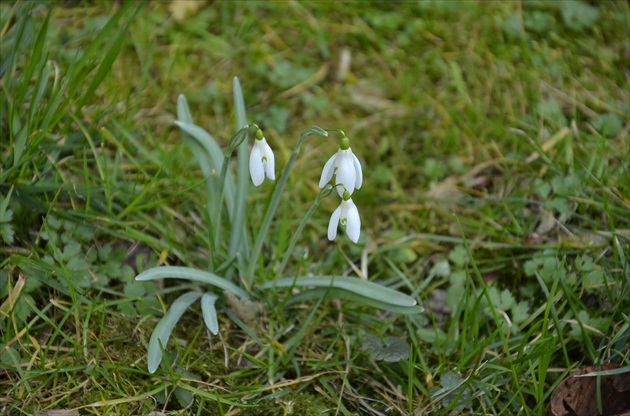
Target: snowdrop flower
348, 215
346, 168
261, 160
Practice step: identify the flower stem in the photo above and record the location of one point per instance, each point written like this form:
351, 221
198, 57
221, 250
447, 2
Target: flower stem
236, 140
322, 194
217, 219
273, 205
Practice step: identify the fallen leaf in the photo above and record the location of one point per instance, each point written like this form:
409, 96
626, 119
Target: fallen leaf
577, 394
546, 222
245, 309
183, 9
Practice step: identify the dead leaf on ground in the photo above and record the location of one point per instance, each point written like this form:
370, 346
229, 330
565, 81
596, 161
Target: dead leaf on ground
457, 187
546, 222
183, 9
245, 309
577, 394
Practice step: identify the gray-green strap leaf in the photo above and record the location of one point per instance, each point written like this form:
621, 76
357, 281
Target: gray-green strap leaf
212, 148
162, 331
204, 138
361, 287
238, 231
183, 111
333, 293
176, 272
209, 312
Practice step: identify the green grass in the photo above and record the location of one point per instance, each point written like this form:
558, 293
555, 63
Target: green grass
494, 141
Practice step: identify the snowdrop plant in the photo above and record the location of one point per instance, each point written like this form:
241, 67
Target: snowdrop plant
235, 258
346, 168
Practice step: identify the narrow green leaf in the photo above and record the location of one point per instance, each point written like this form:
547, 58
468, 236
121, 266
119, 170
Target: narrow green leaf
238, 231
611, 372
208, 143
203, 158
458, 78
19, 149
20, 39
209, 312
78, 73
54, 107
332, 293
95, 45
620, 253
250, 332
212, 148
183, 111
205, 162
239, 104
363, 288
141, 151
4, 203
35, 57
176, 272
211, 394
106, 64
41, 81
163, 329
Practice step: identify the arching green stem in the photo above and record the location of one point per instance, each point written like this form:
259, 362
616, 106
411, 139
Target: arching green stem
273, 205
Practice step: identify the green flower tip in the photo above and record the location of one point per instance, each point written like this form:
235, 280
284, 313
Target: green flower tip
346, 195
259, 134
344, 143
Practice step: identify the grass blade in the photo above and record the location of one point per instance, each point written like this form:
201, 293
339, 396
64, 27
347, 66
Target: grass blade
35, 58
106, 64
77, 72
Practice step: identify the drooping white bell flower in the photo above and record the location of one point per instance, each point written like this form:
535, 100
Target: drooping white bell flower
348, 215
346, 168
261, 160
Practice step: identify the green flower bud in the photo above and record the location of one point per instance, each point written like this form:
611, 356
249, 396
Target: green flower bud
344, 143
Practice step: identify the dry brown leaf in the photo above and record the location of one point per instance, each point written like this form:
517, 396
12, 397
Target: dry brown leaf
546, 222
245, 309
577, 394
183, 9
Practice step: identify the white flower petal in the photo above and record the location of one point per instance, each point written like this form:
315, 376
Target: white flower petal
269, 164
334, 223
256, 170
346, 174
329, 170
359, 171
353, 223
